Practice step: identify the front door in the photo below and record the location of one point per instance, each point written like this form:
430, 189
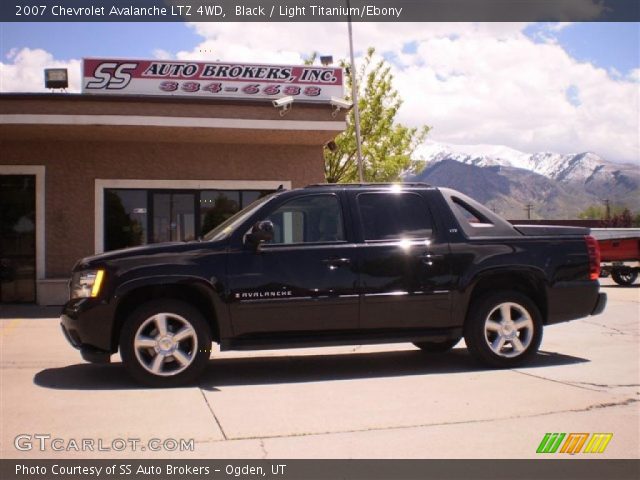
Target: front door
17, 238
173, 217
405, 278
304, 280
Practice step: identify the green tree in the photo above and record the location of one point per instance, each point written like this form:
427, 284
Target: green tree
387, 145
619, 216
599, 212
592, 212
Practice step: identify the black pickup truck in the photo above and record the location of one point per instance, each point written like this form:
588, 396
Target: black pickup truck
335, 265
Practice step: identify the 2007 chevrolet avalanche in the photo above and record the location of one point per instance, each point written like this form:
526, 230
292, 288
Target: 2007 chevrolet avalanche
334, 265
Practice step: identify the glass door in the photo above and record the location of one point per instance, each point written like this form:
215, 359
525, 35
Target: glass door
17, 238
173, 216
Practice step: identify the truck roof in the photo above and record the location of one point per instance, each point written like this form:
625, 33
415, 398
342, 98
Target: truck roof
369, 185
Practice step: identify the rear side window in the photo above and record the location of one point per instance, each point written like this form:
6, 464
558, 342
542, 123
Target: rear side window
471, 215
394, 216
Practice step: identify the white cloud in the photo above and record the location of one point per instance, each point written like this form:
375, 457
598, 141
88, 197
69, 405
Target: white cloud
24, 72
161, 54
559, 26
513, 91
474, 83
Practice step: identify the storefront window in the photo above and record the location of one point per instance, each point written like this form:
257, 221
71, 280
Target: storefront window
138, 216
174, 216
125, 218
250, 196
17, 238
216, 206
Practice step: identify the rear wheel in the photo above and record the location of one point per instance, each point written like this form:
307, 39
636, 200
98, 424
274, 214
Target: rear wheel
625, 276
437, 347
503, 329
165, 343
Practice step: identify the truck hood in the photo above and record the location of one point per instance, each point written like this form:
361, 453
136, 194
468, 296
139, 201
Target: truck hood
147, 251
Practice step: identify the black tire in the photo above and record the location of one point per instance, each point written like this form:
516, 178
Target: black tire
624, 277
142, 341
492, 341
437, 347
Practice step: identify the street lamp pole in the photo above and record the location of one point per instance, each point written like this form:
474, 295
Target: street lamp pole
354, 96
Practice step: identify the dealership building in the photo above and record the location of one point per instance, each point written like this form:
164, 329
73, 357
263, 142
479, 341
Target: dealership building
150, 151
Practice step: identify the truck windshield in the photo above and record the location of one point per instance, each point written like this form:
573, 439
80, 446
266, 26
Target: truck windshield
230, 224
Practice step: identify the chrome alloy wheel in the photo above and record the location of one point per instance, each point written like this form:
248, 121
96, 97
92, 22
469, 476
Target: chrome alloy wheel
165, 344
508, 330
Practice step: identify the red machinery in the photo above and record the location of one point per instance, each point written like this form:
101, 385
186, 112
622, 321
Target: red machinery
619, 253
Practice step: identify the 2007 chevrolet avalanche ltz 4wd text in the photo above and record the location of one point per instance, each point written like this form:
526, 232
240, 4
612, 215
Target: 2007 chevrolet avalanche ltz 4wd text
335, 265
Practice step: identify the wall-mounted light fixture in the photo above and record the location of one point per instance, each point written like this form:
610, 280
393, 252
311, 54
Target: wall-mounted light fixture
331, 146
326, 60
56, 78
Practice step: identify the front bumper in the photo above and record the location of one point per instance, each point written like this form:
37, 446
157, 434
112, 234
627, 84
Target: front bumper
87, 325
88, 353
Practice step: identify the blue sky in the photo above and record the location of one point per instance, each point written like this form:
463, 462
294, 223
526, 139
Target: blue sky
78, 40
606, 45
616, 45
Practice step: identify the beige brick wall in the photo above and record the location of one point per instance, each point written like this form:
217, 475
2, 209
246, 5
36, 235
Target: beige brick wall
76, 155
72, 167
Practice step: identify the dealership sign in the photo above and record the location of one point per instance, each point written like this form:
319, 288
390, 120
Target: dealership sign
210, 79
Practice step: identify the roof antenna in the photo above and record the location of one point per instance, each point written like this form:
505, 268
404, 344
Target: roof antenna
281, 187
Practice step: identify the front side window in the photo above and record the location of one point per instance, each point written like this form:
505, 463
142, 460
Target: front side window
309, 219
394, 216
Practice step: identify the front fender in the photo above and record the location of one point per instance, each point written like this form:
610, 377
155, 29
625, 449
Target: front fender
210, 290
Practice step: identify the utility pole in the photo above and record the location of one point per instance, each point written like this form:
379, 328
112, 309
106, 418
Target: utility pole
354, 97
528, 208
607, 209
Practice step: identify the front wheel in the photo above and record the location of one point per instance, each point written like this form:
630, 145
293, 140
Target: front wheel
503, 329
165, 343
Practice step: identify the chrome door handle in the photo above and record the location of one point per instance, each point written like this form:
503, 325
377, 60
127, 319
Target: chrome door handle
428, 258
335, 262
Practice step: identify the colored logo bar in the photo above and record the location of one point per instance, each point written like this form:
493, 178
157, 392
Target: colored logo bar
573, 443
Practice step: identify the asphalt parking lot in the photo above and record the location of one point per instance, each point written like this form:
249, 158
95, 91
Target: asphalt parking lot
388, 401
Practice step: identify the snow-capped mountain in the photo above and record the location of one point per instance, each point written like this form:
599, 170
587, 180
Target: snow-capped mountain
478, 155
576, 180
573, 167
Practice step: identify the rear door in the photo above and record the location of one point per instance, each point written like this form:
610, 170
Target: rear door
304, 280
405, 278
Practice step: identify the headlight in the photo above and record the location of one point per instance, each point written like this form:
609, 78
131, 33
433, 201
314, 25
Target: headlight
87, 284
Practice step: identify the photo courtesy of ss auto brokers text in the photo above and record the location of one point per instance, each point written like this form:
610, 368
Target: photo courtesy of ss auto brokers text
145, 470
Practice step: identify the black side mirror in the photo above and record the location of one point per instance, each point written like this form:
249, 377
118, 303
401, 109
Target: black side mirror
261, 232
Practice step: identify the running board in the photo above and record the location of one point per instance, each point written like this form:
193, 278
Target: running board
334, 339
